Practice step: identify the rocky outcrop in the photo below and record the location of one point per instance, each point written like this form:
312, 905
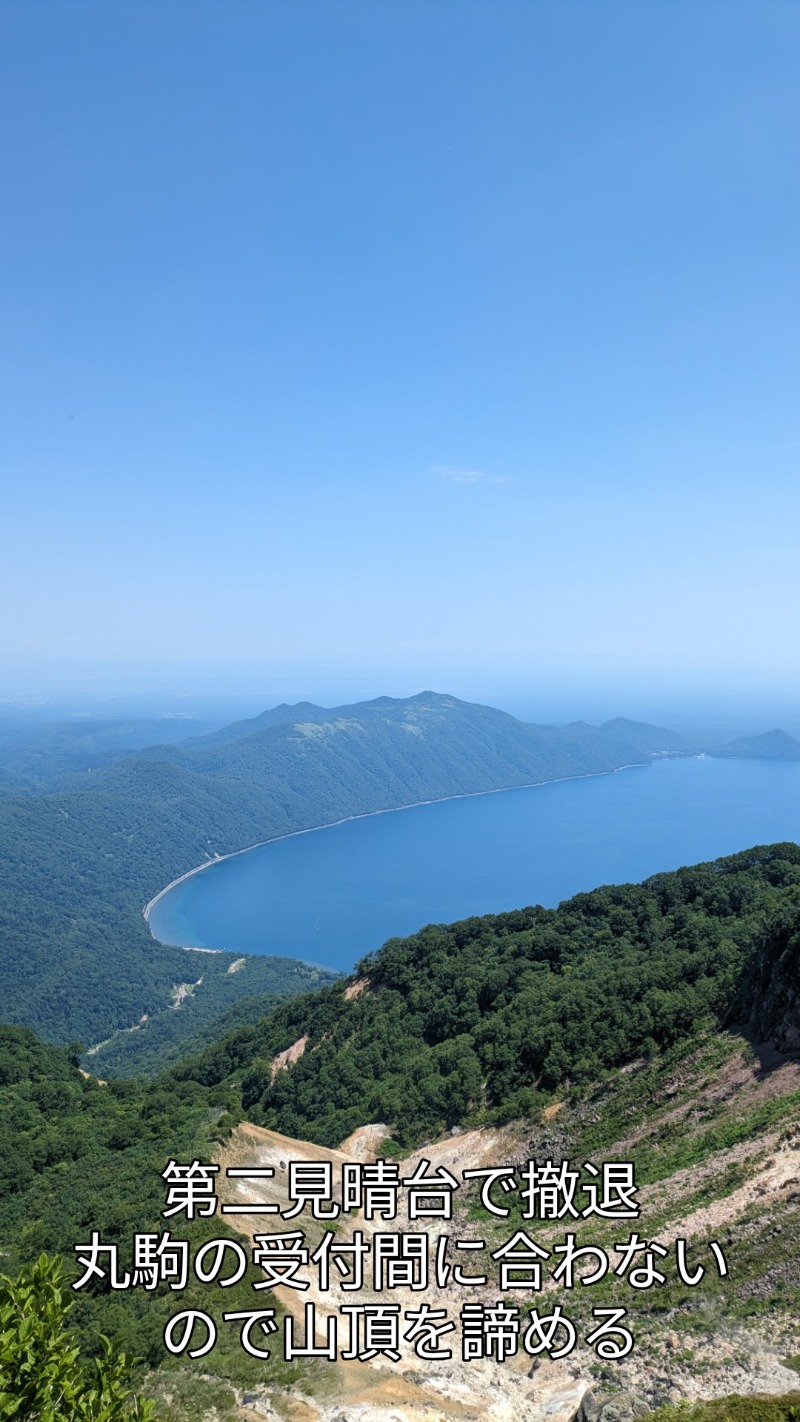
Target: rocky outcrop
769, 1001
611, 1407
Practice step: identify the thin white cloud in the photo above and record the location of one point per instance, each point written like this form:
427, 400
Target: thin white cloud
457, 475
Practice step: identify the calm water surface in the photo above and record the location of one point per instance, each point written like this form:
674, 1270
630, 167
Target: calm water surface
334, 894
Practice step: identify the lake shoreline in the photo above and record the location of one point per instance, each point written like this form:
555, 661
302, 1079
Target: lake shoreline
371, 814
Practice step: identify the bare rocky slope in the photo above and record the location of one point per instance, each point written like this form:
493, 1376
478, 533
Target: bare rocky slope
715, 1135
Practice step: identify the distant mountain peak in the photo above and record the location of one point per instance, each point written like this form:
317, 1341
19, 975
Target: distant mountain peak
770, 745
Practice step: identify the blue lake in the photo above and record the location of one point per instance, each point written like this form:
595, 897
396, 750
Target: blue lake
333, 894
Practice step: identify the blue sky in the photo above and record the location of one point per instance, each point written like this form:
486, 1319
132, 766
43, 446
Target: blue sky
392, 344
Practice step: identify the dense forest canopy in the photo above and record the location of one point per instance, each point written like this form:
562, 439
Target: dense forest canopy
475, 1020
77, 1156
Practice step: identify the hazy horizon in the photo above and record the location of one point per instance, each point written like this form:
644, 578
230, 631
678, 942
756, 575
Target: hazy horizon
354, 349
219, 698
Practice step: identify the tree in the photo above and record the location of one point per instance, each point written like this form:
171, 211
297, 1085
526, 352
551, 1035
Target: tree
43, 1378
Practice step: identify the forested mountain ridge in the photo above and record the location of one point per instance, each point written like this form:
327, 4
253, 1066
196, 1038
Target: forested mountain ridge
257, 780
770, 745
430, 741
473, 1021
78, 865
601, 1030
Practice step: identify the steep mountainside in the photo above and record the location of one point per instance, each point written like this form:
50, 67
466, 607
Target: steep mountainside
713, 1130
605, 1030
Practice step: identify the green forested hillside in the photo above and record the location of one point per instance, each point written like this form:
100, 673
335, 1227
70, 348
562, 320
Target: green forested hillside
479, 1021
78, 1156
36, 757
77, 865
476, 1020
404, 750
